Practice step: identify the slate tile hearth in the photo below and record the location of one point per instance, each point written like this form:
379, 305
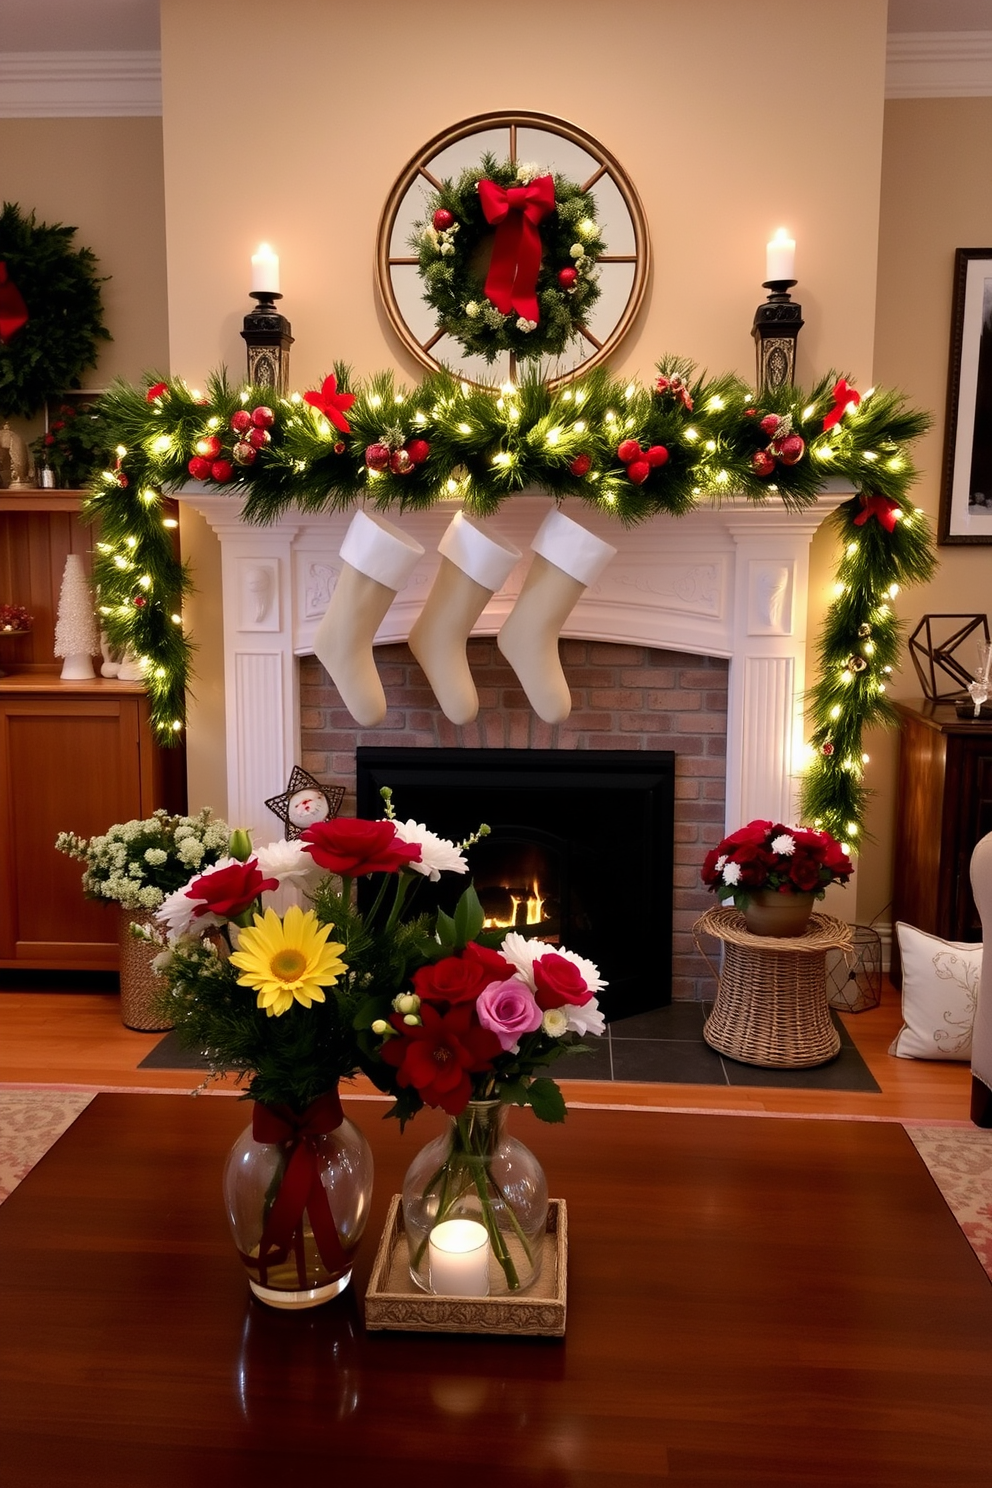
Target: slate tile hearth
664, 1047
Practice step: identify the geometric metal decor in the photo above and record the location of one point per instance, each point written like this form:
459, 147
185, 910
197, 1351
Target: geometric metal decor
856, 985
305, 802
933, 645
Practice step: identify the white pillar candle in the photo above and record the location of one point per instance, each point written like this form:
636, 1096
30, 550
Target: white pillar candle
265, 270
780, 256
459, 1259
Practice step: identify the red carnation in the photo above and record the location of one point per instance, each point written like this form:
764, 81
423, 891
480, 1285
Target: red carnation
461, 978
438, 1056
229, 891
558, 982
351, 847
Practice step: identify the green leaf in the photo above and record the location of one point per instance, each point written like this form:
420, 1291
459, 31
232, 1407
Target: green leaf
447, 931
546, 1099
469, 918
513, 1093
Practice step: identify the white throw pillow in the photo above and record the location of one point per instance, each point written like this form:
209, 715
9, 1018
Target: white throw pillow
939, 996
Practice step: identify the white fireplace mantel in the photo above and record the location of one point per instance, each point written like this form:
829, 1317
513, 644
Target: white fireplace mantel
728, 581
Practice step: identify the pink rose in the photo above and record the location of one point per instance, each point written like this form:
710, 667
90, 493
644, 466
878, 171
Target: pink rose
508, 1009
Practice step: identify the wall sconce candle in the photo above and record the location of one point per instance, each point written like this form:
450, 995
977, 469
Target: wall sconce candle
459, 1259
780, 256
265, 270
779, 320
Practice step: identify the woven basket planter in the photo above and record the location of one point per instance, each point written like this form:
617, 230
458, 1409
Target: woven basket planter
139, 984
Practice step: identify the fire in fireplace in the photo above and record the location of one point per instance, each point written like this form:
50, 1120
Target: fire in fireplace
580, 851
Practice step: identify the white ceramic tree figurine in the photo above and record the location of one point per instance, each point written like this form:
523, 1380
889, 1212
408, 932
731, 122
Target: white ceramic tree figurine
76, 636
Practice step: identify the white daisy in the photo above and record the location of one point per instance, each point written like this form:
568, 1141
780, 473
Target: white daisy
437, 854
555, 1022
289, 862
721, 860
785, 845
731, 873
522, 953
585, 1019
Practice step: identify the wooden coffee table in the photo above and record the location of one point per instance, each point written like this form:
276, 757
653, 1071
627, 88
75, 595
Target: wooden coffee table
750, 1301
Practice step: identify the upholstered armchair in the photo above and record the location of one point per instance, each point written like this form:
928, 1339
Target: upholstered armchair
981, 1045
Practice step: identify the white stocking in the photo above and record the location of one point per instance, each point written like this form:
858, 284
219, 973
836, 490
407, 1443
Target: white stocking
567, 559
474, 564
377, 559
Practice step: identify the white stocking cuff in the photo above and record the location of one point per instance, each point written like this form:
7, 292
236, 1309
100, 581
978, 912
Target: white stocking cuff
571, 548
380, 551
485, 556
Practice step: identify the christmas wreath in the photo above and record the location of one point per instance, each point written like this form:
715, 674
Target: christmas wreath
507, 254
51, 315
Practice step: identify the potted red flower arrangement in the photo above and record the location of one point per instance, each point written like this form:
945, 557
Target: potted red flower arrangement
773, 873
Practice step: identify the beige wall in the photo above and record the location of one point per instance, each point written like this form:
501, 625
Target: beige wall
723, 144
935, 198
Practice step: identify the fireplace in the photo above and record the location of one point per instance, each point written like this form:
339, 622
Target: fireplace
580, 852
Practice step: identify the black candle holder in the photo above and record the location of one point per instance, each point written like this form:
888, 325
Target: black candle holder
268, 335
776, 328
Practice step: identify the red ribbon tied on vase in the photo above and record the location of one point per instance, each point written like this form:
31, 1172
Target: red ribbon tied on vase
881, 508
301, 1190
332, 404
845, 397
13, 311
515, 212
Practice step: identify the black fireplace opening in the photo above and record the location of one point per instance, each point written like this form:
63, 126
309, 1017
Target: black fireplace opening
579, 854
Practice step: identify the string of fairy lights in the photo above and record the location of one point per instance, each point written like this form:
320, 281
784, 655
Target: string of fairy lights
630, 450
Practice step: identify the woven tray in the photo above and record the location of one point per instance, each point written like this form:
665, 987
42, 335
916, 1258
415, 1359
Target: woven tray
393, 1301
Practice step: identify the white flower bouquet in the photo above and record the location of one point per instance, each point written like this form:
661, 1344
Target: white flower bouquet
137, 864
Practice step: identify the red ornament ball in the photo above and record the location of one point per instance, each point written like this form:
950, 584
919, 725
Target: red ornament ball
199, 468
638, 471
209, 446
629, 450
657, 455
827, 749
377, 456
567, 277
762, 463
791, 449
245, 453
580, 465
139, 601
418, 450
259, 437
443, 219
241, 421
221, 471
263, 418
770, 423
400, 462
340, 447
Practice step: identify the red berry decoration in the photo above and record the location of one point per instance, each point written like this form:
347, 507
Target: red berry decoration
827, 749
443, 219
629, 450
340, 447
400, 462
580, 465
762, 463
791, 449
263, 418
770, 424
377, 456
750, 412
259, 438
418, 450
209, 446
567, 277
199, 468
139, 601
241, 421
245, 453
638, 471
657, 455
221, 471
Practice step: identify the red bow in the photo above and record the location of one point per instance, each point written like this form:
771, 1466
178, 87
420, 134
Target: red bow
301, 1189
13, 311
845, 397
515, 211
331, 403
886, 511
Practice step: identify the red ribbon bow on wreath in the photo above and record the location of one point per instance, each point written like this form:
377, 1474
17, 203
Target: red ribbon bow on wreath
515, 212
845, 397
331, 403
13, 311
301, 1190
881, 508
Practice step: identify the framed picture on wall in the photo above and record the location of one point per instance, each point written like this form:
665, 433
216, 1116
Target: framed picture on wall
966, 492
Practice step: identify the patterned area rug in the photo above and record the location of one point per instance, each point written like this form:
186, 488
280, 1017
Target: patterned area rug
959, 1158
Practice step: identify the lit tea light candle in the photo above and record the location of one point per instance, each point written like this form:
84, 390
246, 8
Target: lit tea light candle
459, 1259
265, 270
780, 256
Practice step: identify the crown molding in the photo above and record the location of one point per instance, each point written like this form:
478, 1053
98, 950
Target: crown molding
939, 64
79, 85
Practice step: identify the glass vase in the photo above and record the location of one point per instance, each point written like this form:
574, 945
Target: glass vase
476, 1171
297, 1206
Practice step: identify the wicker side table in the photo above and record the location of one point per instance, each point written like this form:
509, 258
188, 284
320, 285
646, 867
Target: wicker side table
771, 1002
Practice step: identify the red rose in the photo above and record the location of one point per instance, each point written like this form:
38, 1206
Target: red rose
230, 890
558, 982
497, 968
750, 836
350, 847
438, 1056
461, 978
804, 871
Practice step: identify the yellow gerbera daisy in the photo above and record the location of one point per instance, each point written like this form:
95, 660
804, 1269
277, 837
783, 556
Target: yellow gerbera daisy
288, 959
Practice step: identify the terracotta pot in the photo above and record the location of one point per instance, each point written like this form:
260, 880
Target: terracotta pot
139, 984
772, 913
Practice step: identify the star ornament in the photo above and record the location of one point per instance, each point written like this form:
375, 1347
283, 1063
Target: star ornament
305, 802
332, 404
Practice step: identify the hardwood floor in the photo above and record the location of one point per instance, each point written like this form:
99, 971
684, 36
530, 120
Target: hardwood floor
77, 1039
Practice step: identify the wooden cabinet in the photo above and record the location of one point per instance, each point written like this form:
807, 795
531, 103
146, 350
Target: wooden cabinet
944, 805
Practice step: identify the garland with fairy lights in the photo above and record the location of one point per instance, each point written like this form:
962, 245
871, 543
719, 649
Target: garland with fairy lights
540, 283
628, 450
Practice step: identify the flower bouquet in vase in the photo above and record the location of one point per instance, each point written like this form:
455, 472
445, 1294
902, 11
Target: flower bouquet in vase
774, 873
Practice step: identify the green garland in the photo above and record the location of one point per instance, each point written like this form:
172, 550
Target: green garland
60, 287
597, 440
453, 283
